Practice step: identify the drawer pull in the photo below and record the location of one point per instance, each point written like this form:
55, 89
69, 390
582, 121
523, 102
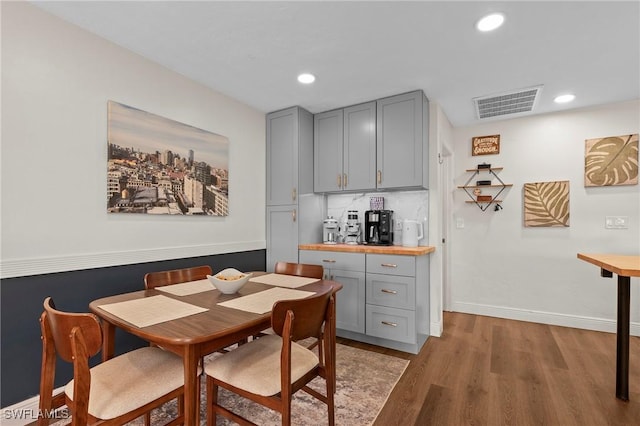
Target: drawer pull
328, 261
384, 290
390, 324
389, 265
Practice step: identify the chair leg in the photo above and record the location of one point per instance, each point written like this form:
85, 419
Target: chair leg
147, 419
331, 409
181, 405
286, 412
212, 398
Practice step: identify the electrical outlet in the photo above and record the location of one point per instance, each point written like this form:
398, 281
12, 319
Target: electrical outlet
616, 222
459, 223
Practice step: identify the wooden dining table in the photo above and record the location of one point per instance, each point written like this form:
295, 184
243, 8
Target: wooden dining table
625, 267
194, 336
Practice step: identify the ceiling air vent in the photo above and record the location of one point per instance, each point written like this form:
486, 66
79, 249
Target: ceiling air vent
515, 102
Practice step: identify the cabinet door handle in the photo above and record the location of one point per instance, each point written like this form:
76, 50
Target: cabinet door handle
294, 215
344, 180
294, 193
379, 176
328, 260
384, 290
390, 324
389, 265
339, 180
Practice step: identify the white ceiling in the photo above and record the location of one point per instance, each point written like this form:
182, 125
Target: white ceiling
363, 50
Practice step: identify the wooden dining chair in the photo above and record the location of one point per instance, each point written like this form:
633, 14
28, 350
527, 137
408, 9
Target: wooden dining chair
271, 369
299, 269
113, 392
176, 276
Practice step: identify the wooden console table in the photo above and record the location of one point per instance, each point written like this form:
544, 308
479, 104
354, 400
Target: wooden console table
626, 267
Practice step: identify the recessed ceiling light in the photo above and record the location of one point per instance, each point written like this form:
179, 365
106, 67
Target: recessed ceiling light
306, 78
563, 99
490, 22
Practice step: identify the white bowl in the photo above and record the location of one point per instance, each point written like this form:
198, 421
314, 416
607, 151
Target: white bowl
234, 280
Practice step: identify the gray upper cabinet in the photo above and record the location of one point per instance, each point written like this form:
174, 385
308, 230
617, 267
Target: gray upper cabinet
345, 149
359, 154
402, 136
289, 155
327, 151
376, 145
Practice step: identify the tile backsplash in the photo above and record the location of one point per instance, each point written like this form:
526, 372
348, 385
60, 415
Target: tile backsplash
405, 205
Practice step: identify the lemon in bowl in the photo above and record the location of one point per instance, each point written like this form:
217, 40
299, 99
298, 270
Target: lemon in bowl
229, 280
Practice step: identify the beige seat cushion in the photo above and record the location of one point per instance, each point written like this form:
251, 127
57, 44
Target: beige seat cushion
131, 380
255, 366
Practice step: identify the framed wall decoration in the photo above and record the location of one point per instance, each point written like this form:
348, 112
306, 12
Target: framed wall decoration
163, 167
485, 145
611, 161
546, 204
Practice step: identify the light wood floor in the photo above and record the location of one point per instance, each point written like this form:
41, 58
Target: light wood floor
490, 371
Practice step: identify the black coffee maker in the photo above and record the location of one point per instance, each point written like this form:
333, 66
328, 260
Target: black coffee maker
378, 229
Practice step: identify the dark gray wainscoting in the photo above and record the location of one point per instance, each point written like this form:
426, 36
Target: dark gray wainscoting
21, 302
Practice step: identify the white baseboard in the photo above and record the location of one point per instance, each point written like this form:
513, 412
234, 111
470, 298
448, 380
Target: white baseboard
435, 329
551, 318
24, 412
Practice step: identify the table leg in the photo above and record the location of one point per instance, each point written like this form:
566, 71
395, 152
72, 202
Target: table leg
108, 340
191, 387
622, 347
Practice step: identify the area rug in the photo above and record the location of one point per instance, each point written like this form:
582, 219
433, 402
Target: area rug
364, 381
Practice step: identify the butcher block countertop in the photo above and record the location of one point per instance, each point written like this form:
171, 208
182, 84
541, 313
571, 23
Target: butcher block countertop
351, 248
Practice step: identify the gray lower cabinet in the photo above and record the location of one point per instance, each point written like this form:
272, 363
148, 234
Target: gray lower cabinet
391, 297
350, 313
384, 300
349, 270
282, 234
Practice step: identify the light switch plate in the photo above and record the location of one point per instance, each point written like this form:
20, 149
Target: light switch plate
459, 223
616, 222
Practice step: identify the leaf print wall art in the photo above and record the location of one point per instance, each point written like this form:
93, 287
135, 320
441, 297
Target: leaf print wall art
611, 161
546, 204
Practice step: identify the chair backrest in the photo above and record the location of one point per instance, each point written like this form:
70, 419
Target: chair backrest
175, 276
309, 315
58, 326
75, 337
299, 269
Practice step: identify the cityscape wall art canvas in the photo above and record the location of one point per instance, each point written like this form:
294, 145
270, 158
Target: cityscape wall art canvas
163, 167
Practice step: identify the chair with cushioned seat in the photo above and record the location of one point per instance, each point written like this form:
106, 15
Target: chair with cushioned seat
299, 269
176, 276
113, 392
269, 370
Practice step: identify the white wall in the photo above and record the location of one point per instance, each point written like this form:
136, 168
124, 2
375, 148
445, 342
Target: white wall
501, 268
56, 81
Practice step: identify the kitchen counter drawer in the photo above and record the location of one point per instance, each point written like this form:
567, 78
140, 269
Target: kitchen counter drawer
391, 264
391, 323
334, 260
391, 290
